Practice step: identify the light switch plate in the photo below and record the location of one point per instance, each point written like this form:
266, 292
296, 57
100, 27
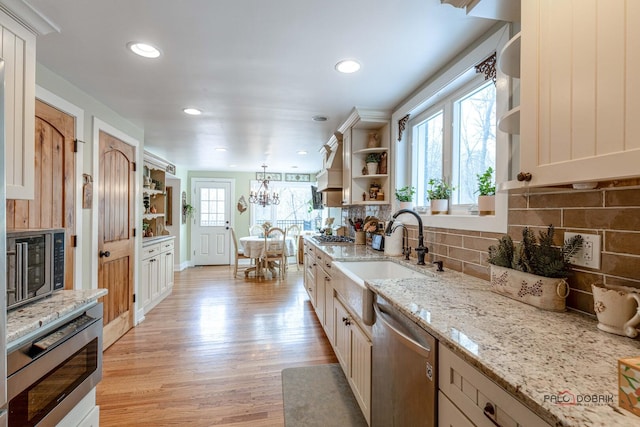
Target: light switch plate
590, 254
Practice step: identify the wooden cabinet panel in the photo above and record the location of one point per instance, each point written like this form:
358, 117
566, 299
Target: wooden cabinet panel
580, 91
18, 50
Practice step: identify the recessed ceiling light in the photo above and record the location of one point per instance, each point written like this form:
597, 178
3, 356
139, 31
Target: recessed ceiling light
143, 49
302, 152
221, 149
319, 118
348, 66
192, 111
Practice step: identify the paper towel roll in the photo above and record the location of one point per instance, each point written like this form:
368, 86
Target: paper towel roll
393, 243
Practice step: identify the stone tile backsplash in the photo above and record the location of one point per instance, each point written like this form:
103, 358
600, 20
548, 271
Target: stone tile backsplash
612, 210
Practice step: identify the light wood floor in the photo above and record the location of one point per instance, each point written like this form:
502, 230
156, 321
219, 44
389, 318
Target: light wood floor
212, 353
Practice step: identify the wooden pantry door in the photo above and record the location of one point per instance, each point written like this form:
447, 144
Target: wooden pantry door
115, 234
54, 203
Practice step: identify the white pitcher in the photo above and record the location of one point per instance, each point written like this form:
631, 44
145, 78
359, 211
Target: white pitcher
617, 309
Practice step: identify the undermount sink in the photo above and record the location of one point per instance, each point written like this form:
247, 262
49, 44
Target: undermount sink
350, 282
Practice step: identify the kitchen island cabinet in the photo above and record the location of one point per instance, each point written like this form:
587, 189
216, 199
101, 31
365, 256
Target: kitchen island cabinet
580, 92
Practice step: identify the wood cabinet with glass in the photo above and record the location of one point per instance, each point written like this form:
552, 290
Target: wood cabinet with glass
366, 135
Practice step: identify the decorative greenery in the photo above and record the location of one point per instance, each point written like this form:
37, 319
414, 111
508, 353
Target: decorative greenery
188, 210
405, 194
373, 158
535, 256
486, 186
439, 189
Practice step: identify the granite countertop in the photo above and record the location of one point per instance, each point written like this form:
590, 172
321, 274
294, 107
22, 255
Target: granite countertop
31, 317
532, 353
156, 239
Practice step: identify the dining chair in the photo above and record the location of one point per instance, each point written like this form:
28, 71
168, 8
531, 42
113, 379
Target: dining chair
238, 252
275, 254
256, 230
294, 232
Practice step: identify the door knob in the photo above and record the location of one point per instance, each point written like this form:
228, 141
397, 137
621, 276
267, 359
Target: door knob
105, 254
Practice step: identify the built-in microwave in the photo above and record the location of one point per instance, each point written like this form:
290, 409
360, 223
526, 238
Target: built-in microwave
35, 264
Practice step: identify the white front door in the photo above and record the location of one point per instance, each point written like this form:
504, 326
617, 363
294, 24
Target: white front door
211, 222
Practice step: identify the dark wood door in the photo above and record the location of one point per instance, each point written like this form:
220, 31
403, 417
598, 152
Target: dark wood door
54, 202
115, 235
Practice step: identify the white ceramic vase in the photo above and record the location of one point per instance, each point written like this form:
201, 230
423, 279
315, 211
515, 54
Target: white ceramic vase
372, 168
439, 206
406, 205
487, 205
617, 309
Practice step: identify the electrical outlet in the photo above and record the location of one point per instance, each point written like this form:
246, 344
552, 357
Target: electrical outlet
589, 254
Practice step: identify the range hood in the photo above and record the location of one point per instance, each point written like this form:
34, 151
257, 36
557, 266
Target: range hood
330, 177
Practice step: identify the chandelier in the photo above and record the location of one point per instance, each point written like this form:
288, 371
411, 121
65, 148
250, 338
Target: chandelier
262, 196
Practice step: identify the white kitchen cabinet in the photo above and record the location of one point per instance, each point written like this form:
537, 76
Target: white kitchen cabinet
580, 91
157, 273
482, 401
357, 131
18, 50
310, 272
166, 266
353, 350
449, 415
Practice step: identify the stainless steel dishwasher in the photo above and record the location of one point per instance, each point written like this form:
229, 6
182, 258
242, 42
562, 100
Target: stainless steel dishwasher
403, 383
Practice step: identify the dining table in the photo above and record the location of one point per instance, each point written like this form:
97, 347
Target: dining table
254, 248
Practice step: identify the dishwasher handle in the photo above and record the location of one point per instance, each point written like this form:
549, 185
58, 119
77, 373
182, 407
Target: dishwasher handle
387, 320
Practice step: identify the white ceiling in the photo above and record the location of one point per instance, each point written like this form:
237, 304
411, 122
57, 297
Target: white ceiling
258, 69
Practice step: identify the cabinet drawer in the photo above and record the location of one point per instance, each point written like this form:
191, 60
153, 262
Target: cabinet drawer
166, 246
150, 251
471, 391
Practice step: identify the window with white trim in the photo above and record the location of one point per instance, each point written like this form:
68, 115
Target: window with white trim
455, 139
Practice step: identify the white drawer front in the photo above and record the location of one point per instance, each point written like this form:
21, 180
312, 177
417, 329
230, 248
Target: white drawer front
472, 392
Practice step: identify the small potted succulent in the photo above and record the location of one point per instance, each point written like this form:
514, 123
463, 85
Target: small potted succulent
405, 196
486, 193
439, 193
372, 161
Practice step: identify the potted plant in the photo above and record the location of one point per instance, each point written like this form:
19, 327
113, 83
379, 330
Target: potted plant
439, 193
486, 193
372, 161
534, 270
405, 196
187, 212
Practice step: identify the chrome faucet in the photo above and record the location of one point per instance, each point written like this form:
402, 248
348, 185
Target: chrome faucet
421, 250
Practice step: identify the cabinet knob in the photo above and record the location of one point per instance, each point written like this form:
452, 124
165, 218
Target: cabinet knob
490, 412
105, 254
524, 176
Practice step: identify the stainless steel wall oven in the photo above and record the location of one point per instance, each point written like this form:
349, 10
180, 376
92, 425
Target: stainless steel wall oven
53, 371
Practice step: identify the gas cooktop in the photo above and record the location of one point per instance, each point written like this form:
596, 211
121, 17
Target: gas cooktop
333, 239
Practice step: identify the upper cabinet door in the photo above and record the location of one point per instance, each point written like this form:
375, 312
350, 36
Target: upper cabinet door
580, 90
18, 50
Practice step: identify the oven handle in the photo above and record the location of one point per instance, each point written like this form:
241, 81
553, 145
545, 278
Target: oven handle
19, 272
386, 320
